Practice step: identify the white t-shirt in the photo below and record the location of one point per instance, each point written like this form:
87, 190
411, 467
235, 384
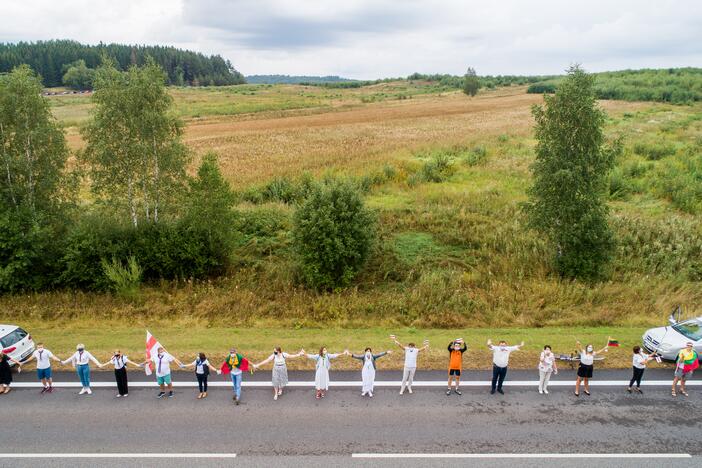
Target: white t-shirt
80, 358
546, 362
500, 354
119, 362
639, 361
164, 369
587, 359
43, 358
200, 366
411, 357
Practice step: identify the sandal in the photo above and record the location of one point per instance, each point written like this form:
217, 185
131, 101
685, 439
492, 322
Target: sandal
672, 393
576, 394
586, 392
684, 392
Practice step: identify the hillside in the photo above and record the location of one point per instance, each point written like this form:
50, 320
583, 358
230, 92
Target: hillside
294, 79
453, 252
51, 58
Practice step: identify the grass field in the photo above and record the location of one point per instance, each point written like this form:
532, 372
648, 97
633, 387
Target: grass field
452, 254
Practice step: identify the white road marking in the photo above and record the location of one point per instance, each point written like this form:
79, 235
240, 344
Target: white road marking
117, 455
357, 383
521, 455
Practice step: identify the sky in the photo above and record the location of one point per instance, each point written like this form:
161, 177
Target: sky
367, 39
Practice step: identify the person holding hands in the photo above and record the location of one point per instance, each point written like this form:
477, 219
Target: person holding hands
120, 361
44, 357
279, 374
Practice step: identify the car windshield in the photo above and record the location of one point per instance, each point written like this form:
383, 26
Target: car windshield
691, 329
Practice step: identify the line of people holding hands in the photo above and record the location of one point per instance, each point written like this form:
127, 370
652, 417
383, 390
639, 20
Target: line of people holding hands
235, 364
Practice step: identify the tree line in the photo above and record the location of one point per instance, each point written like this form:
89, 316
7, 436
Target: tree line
52, 59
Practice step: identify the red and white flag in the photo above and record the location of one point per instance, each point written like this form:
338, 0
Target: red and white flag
152, 346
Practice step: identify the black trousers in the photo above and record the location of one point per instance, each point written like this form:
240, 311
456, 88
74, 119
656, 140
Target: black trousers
121, 378
638, 373
202, 382
498, 376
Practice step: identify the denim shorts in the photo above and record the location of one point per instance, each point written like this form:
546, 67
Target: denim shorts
44, 373
682, 375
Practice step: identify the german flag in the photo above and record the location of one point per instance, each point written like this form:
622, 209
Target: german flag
613, 343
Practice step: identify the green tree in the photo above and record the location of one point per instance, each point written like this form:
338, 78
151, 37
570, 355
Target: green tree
471, 83
79, 76
34, 185
566, 201
33, 148
134, 153
333, 234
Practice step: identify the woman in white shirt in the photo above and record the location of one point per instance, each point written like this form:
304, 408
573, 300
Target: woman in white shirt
120, 362
638, 363
547, 366
323, 364
587, 359
80, 360
202, 371
279, 374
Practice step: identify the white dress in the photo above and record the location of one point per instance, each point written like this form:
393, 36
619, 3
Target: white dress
321, 376
368, 375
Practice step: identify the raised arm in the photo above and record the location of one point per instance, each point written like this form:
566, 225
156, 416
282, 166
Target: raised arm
379, 355
579, 346
489, 343
394, 340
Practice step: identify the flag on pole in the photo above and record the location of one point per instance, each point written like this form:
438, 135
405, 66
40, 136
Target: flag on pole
152, 345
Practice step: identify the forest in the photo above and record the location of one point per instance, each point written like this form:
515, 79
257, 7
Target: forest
52, 59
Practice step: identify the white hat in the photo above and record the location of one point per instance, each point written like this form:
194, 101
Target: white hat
80, 345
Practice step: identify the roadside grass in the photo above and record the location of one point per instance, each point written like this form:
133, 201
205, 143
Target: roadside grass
187, 339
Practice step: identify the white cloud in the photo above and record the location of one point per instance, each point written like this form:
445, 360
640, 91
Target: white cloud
377, 38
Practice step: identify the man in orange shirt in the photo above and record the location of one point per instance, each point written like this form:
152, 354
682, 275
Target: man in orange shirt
455, 363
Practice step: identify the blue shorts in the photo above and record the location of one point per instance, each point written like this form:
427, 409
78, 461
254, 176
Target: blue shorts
165, 380
44, 373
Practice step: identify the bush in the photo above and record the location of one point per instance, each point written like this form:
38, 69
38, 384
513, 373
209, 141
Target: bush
679, 180
654, 152
333, 234
437, 169
541, 88
476, 156
124, 280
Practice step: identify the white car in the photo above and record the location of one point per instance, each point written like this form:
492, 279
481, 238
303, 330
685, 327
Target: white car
668, 341
16, 342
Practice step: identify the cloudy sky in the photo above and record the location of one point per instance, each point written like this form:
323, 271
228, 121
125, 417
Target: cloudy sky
382, 38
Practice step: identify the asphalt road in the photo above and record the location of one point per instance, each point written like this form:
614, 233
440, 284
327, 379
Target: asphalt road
298, 430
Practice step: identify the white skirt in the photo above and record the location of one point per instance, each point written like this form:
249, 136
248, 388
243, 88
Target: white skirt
368, 374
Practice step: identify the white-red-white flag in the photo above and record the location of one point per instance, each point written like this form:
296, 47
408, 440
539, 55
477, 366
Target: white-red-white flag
152, 346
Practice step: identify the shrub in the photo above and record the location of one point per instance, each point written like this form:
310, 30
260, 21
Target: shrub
541, 88
679, 180
333, 234
476, 156
124, 280
654, 152
437, 169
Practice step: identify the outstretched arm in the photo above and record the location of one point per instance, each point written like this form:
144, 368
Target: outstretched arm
265, 361
360, 357
379, 355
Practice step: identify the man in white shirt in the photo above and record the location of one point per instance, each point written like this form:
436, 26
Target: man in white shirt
162, 362
43, 357
411, 352
500, 361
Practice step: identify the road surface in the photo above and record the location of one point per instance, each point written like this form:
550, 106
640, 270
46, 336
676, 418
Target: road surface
298, 430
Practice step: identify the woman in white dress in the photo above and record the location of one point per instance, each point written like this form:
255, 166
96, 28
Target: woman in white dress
368, 372
279, 377
321, 377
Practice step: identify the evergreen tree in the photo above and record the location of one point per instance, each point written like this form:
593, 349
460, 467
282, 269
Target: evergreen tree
471, 83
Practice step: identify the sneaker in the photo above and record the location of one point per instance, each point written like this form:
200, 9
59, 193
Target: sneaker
170, 394
118, 396
448, 392
45, 389
409, 389
638, 390
458, 392
545, 391
275, 397
82, 391
160, 394
89, 392
50, 389
237, 401
499, 390
363, 393
492, 392
370, 394
125, 395
402, 391
541, 392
